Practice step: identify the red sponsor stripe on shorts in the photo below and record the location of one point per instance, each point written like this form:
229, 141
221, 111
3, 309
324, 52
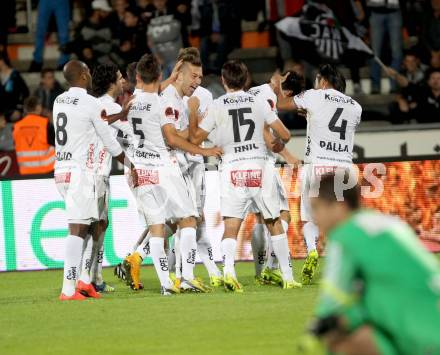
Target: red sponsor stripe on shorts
147, 177
63, 178
246, 178
320, 170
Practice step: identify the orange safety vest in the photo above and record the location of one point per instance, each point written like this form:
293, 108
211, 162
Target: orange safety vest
34, 154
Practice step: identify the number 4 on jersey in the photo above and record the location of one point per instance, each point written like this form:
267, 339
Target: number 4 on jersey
338, 129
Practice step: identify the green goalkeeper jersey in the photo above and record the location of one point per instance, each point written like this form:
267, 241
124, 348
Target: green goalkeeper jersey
378, 273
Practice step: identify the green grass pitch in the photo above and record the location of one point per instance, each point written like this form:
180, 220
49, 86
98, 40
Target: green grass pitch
262, 320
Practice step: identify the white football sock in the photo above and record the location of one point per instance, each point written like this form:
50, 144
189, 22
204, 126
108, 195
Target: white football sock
311, 233
144, 248
97, 259
72, 261
271, 258
86, 262
204, 248
178, 254
160, 260
188, 249
258, 244
229, 246
281, 249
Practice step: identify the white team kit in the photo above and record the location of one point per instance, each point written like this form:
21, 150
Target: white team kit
79, 131
162, 193
266, 93
246, 173
332, 118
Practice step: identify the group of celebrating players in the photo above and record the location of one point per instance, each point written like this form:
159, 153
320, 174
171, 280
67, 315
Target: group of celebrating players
161, 137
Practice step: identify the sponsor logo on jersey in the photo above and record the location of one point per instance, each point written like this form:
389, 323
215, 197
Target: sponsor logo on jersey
147, 177
170, 113
245, 148
68, 100
63, 178
309, 141
140, 106
339, 99
238, 100
147, 155
333, 146
64, 156
246, 178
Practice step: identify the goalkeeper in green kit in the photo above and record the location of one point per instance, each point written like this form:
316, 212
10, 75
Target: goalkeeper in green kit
380, 292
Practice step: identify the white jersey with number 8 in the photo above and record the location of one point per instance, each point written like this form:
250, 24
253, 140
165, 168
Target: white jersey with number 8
332, 118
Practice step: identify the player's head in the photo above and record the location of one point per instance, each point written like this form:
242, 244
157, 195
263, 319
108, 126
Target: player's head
336, 200
293, 84
329, 77
148, 70
191, 73
433, 78
77, 74
234, 75
32, 104
107, 79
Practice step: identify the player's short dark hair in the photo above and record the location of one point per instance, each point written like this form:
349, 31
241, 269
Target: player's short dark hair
46, 71
327, 186
103, 77
235, 74
190, 55
31, 103
131, 73
330, 73
148, 68
294, 82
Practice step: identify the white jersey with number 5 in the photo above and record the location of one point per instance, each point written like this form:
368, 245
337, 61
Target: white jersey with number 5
78, 129
332, 118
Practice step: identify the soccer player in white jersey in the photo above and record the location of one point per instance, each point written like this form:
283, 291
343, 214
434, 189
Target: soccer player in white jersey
78, 129
187, 82
107, 82
266, 263
161, 193
246, 175
332, 118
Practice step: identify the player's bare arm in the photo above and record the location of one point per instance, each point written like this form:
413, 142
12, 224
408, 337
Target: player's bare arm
196, 134
280, 130
175, 141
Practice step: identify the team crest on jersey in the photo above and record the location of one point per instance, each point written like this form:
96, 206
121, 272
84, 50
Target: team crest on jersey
246, 178
171, 114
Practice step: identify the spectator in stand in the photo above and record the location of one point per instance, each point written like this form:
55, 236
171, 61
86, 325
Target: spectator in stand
61, 10
164, 36
413, 71
419, 102
13, 90
431, 33
116, 18
220, 31
47, 91
6, 140
93, 42
133, 37
385, 20
34, 138
146, 10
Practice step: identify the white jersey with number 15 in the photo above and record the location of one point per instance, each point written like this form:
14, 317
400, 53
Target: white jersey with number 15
332, 118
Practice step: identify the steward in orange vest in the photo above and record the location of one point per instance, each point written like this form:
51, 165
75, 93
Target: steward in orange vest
34, 138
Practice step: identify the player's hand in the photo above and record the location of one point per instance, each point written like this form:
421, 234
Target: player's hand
391, 72
301, 112
133, 177
193, 103
213, 152
276, 80
277, 145
176, 70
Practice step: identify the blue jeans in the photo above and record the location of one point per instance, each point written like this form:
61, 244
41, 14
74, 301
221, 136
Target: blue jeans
380, 25
61, 10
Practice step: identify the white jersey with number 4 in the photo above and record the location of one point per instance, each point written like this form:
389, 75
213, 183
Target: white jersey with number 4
332, 118
78, 129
